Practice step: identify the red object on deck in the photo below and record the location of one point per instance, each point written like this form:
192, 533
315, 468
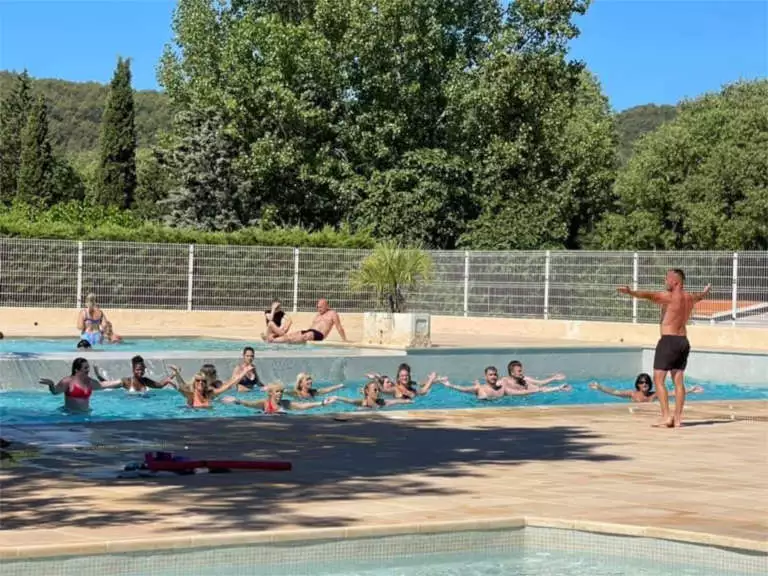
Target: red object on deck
186, 465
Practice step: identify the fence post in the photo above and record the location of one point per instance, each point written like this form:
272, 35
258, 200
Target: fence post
466, 283
295, 279
546, 285
635, 278
735, 287
190, 275
79, 275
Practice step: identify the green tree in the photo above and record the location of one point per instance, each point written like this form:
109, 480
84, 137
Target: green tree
418, 119
154, 183
14, 111
67, 184
211, 192
35, 180
117, 162
539, 132
700, 182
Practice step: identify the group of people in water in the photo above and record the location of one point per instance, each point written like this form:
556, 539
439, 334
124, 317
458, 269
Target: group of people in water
379, 391
671, 357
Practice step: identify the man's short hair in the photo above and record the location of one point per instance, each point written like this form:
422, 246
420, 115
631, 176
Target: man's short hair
680, 274
491, 369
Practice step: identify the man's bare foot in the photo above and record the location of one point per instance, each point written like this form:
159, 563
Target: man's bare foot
677, 423
664, 423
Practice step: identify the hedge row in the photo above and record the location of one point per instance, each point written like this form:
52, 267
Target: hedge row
76, 221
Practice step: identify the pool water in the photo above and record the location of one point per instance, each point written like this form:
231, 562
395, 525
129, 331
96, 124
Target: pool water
37, 346
40, 407
528, 562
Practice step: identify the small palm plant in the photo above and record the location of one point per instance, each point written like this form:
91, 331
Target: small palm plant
389, 270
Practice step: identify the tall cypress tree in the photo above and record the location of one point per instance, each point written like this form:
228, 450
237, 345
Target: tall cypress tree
117, 161
13, 118
35, 180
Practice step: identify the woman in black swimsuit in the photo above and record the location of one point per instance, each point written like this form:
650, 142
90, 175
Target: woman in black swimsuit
278, 324
251, 378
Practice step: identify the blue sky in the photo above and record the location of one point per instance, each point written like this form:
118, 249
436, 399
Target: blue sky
642, 51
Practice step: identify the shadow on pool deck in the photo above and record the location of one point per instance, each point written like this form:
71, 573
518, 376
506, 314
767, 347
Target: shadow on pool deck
359, 461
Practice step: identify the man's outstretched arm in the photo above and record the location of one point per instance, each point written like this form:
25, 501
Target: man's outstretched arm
698, 297
658, 297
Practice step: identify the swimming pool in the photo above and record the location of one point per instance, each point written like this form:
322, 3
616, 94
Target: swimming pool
512, 552
40, 407
39, 346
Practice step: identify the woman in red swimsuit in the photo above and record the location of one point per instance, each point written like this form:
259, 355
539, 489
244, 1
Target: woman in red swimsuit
78, 387
274, 403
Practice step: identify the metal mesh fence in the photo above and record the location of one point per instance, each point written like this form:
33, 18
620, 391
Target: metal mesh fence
576, 285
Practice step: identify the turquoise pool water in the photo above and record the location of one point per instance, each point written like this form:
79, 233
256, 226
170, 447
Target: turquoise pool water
541, 563
38, 346
40, 407
528, 552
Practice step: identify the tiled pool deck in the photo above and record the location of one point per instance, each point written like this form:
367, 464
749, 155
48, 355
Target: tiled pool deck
393, 471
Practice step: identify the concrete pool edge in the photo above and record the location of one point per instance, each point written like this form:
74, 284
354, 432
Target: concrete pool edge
91, 547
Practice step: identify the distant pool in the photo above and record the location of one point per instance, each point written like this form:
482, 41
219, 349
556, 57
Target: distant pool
18, 407
40, 346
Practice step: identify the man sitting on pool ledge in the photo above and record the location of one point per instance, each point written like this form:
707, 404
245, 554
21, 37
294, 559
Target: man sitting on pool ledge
322, 324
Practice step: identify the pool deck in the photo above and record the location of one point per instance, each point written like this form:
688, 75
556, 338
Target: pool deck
393, 472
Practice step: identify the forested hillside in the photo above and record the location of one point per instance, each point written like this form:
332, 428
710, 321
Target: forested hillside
637, 121
76, 109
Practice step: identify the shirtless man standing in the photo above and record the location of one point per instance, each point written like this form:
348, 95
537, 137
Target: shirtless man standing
322, 324
673, 347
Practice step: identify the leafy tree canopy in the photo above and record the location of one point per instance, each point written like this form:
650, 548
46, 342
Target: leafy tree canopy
699, 181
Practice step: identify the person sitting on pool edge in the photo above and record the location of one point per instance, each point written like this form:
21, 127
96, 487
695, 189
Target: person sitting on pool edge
78, 387
274, 402
278, 323
109, 334
519, 381
90, 321
138, 382
643, 391
201, 393
322, 324
250, 381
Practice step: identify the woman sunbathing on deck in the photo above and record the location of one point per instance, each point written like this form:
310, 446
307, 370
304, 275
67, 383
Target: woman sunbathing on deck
303, 387
643, 391
201, 393
278, 324
78, 387
274, 402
